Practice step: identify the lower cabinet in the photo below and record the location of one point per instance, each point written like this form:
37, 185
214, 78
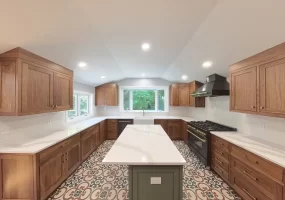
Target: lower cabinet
72, 157
86, 144
112, 129
251, 176
163, 123
174, 129
102, 136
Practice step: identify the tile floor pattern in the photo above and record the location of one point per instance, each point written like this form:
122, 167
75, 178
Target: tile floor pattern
96, 181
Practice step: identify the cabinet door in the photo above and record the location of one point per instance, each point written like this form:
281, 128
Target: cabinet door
111, 95
272, 87
174, 130
63, 92
100, 96
184, 95
163, 123
174, 95
72, 158
243, 90
184, 131
86, 146
112, 129
37, 89
7, 87
102, 132
51, 174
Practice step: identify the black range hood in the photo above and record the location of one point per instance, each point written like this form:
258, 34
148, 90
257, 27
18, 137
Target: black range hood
215, 85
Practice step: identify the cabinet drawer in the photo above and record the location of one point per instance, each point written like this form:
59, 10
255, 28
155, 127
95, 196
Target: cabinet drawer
220, 143
224, 174
87, 133
47, 153
221, 151
112, 121
218, 160
257, 162
245, 188
257, 179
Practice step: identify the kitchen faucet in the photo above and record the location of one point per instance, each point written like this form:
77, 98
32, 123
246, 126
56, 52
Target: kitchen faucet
143, 111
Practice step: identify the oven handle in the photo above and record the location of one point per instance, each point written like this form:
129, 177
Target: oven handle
196, 136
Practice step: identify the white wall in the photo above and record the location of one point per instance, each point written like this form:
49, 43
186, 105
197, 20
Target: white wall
40, 123
270, 129
142, 82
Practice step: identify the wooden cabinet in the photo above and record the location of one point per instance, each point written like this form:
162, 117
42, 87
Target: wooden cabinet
102, 132
174, 131
174, 95
195, 101
106, 95
72, 157
163, 123
31, 84
184, 94
184, 133
86, 143
112, 129
251, 176
258, 83
7, 86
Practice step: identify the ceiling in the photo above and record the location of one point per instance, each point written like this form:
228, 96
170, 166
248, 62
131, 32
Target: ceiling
107, 35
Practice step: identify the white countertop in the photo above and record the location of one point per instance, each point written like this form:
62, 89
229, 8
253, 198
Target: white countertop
144, 145
269, 151
36, 143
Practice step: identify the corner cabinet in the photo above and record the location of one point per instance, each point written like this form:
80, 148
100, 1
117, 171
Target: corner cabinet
106, 95
258, 84
30, 84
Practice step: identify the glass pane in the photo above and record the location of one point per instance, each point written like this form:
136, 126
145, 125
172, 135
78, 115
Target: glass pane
160, 94
143, 100
73, 113
83, 103
127, 100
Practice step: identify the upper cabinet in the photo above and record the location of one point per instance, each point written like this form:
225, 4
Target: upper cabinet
106, 95
30, 84
180, 95
258, 83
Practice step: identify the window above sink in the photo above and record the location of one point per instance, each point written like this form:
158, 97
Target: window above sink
147, 99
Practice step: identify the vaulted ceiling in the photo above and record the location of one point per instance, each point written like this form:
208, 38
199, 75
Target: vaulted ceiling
107, 35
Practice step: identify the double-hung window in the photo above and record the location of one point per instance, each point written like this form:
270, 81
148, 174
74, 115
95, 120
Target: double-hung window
150, 99
81, 106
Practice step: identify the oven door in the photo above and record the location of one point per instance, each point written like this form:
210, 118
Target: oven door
198, 143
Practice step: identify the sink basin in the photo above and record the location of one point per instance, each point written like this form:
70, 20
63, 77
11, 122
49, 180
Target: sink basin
144, 120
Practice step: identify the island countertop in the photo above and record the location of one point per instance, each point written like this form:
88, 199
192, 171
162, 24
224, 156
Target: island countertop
144, 145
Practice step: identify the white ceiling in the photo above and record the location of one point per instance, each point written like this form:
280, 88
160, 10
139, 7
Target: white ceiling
107, 34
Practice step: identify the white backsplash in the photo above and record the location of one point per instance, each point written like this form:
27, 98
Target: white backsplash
115, 111
271, 129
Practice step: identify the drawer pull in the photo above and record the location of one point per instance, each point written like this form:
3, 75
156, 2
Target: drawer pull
220, 152
251, 196
219, 161
250, 176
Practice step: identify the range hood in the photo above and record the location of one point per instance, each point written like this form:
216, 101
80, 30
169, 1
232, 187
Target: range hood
215, 85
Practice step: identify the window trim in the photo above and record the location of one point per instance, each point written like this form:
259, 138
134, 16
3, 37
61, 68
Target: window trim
156, 88
78, 117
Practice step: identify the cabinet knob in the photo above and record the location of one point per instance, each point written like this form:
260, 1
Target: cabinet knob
261, 107
252, 106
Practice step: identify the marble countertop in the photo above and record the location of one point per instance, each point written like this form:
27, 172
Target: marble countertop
269, 151
144, 145
36, 143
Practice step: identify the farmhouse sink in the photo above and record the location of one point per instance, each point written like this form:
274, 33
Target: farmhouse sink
144, 120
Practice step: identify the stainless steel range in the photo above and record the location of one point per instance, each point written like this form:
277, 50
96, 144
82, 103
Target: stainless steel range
199, 138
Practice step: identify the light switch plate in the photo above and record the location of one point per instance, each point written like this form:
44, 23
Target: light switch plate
155, 180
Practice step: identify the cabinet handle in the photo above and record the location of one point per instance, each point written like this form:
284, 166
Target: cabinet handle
252, 106
249, 176
251, 196
261, 107
219, 161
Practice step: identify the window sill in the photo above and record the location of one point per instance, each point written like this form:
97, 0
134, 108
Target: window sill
140, 111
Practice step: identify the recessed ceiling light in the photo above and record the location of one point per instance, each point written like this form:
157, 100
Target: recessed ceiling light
145, 46
82, 64
143, 74
103, 77
184, 77
207, 64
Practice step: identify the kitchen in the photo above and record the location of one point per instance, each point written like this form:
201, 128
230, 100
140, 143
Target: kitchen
70, 95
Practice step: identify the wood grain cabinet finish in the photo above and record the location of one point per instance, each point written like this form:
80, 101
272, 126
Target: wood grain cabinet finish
197, 102
163, 123
258, 83
184, 133
184, 94
251, 176
174, 95
102, 131
106, 95
112, 129
174, 129
31, 84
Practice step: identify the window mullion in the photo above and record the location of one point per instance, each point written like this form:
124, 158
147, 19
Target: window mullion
156, 100
131, 100
78, 106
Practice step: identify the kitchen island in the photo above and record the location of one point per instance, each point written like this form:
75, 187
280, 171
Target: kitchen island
155, 164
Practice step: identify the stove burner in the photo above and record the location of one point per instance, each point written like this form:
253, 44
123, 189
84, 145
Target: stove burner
210, 126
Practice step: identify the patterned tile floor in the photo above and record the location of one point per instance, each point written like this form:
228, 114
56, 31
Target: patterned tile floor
96, 181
